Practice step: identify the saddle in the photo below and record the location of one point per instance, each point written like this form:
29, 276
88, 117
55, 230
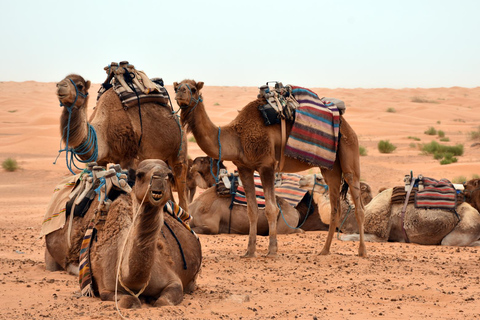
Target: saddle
133, 87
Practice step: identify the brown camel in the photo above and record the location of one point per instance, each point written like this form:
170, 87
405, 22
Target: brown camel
118, 131
212, 215
152, 261
472, 193
252, 146
201, 173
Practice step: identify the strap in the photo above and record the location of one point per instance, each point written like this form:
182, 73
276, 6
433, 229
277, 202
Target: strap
284, 139
404, 209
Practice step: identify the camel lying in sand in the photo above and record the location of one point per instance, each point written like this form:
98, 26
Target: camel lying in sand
383, 222
201, 173
152, 252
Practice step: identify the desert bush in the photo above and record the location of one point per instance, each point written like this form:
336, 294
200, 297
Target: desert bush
392, 110
384, 146
413, 145
431, 131
440, 133
422, 100
414, 138
445, 139
362, 150
446, 154
459, 179
448, 158
10, 164
192, 139
475, 135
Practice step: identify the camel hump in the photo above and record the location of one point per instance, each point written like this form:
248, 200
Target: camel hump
133, 86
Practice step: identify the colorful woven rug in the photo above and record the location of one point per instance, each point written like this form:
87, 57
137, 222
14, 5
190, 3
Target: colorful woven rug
129, 99
84, 274
315, 132
436, 194
289, 190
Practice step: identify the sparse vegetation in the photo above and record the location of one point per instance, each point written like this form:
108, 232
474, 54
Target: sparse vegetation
445, 139
431, 131
363, 151
10, 164
12, 111
413, 145
446, 154
384, 146
216, 104
392, 110
459, 179
414, 138
422, 100
440, 133
192, 139
438, 121
475, 135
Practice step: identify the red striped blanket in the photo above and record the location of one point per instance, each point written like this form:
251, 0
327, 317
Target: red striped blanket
289, 190
436, 194
314, 136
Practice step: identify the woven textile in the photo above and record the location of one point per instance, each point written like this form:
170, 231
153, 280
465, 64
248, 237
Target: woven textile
436, 194
289, 190
129, 99
314, 136
85, 275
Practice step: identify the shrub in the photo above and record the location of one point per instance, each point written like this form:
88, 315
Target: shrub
422, 100
449, 158
10, 164
443, 153
440, 133
445, 139
384, 146
475, 135
459, 179
392, 110
431, 131
414, 138
413, 145
363, 150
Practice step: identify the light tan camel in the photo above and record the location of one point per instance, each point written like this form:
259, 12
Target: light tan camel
200, 174
383, 222
319, 212
118, 130
212, 215
252, 146
137, 241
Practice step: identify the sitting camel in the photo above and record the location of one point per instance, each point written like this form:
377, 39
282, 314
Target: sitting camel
202, 172
316, 203
122, 135
472, 193
253, 146
383, 222
141, 248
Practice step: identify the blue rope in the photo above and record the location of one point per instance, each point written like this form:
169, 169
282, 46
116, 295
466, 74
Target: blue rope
219, 158
85, 147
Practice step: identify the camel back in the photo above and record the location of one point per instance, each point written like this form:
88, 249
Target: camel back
133, 87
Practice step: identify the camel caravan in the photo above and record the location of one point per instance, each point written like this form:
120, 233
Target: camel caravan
116, 224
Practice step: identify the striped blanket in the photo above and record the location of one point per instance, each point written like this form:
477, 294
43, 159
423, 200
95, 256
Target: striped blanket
129, 99
315, 132
289, 190
436, 194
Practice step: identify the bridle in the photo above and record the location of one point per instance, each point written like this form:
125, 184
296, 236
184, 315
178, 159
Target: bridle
77, 93
192, 99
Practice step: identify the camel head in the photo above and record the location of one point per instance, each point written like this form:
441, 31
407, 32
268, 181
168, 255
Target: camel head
187, 94
472, 193
202, 169
153, 182
72, 91
366, 192
313, 182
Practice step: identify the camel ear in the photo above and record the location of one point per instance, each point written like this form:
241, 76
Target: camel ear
175, 86
199, 85
171, 178
87, 85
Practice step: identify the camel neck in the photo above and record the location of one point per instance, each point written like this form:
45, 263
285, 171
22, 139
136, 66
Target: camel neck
74, 124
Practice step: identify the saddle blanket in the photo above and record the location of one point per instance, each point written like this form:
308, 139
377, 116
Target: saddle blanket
289, 190
315, 132
436, 194
129, 99
55, 215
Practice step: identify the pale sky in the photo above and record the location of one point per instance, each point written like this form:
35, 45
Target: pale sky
311, 43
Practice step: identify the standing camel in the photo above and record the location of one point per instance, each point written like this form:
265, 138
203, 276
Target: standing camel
252, 146
118, 131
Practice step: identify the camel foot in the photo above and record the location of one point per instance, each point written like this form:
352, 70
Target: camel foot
129, 302
162, 301
324, 252
362, 252
271, 255
249, 255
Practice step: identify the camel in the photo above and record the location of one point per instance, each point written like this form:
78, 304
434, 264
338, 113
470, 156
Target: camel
472, 193
212, 215
383, 222
317, 199
252, 146
118, 131
136, 241
202, 172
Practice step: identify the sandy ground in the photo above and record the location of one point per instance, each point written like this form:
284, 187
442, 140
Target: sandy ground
395, 281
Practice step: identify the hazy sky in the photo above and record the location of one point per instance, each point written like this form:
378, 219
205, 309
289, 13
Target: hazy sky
311, 43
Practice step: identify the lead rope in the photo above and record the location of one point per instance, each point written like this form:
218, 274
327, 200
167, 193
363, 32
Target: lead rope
117, 279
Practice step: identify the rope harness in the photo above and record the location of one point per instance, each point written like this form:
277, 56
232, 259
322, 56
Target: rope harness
86, 147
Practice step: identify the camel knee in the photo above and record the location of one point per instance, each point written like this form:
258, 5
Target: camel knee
129, 302
171, 296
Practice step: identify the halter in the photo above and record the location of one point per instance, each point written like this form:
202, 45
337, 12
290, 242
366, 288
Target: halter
200, 99
85, 147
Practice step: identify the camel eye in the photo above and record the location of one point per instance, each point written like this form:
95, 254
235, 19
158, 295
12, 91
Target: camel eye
140, 175
194, 90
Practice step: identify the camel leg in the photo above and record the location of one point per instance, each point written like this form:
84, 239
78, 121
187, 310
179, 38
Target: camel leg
267, 175
171, 295
349, 155
180, 174
246, 175
50, 263
333, 178
126, 301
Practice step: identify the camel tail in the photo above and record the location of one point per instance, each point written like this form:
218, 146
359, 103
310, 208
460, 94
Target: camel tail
344, 190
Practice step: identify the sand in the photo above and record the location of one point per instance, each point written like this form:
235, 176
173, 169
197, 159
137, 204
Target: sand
395, 281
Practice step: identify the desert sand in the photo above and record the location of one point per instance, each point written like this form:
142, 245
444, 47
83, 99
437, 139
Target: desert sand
395, 280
